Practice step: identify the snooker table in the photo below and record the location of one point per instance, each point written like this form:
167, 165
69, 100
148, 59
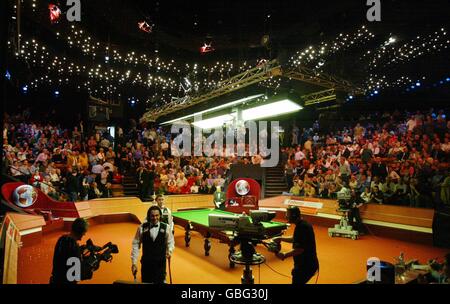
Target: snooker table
197, 220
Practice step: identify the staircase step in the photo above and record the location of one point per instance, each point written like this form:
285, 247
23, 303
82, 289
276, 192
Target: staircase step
273, 193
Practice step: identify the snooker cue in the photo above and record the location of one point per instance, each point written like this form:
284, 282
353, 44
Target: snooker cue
170, 271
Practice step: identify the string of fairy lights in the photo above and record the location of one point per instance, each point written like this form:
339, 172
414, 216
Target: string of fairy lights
218, 71
419, 46
106, 70
389, 56
316, 56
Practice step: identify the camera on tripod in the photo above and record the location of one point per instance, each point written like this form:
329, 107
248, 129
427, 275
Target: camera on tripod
248, 231
93, 255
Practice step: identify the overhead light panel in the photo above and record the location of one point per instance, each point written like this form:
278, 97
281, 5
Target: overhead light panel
281, 107
224, 106
214, 122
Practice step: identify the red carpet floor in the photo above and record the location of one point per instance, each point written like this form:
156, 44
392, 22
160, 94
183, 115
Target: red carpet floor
342, 261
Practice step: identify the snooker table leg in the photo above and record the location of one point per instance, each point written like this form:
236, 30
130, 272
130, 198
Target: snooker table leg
187, 235
231, 251
207, 245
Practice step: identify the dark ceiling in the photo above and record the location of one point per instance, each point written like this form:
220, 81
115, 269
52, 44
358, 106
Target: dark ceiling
236, 29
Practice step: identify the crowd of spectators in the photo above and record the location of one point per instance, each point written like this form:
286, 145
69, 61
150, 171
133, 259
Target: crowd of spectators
59, 161
387, 158
71, 164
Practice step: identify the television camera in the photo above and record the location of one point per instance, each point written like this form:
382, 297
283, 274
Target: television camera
248, 231
92, 255
345, 204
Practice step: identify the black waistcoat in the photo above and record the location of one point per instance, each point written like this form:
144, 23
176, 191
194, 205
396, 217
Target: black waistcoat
154, 251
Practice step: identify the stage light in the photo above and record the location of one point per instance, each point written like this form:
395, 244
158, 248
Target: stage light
8, 75
391, 41
284, 106
214, 122
186, 85
206, 48
418, 84
25, 89
224, 106
56, 93
375, 92
447, 79
55, 13
350, 97
145, 27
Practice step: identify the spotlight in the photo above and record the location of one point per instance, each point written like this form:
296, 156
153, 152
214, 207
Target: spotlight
55, 13
391, 40
350, 97
56, 93
186, 84
145, 27
25, 89
206, 48
413, 87
8, 75
375, 92
106, 58
418, 84
207, 45
447, 79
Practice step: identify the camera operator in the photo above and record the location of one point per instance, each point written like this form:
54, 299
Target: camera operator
67, 247
354, 217
303, 247
166, 216
157, 245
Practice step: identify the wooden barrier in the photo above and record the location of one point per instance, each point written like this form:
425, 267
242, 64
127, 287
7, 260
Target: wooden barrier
175, 202
408, 218
133, 205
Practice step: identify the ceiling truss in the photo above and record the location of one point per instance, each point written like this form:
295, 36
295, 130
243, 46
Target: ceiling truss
258, 74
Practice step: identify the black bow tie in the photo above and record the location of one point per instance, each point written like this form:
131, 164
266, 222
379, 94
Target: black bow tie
153, 226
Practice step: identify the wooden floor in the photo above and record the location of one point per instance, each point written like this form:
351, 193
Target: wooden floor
342, 261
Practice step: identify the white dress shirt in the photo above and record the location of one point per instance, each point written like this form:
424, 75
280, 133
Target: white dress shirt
169, 216
137, 241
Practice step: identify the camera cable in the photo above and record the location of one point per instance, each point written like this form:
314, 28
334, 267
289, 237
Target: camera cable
276, 271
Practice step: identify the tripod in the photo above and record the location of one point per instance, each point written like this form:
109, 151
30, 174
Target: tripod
247, 257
